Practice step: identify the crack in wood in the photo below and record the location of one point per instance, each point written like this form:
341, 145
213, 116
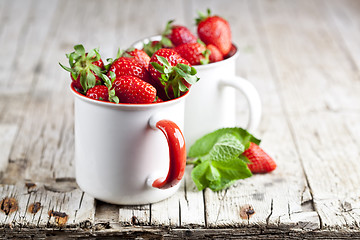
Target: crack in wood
271, 212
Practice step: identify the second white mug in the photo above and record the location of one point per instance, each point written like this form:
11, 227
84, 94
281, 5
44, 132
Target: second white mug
211, 103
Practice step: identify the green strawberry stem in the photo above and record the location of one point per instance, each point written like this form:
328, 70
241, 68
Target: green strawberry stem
202, 16
173, 76
108, 83
81, 65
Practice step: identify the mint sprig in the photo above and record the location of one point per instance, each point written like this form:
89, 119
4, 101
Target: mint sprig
218, 160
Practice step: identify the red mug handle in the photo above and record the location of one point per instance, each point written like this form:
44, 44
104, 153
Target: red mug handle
177, 153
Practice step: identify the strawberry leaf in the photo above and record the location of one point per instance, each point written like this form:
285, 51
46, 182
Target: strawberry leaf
163, 61
91, 80
79, 49
166, 42
158, 67
182, 87
66, 68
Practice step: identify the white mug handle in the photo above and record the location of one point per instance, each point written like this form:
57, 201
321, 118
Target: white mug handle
252, 96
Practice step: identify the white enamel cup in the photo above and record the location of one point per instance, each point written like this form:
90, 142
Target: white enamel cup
211, 103
129, 154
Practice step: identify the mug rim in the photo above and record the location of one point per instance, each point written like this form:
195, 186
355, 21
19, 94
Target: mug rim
209, 65
126, 105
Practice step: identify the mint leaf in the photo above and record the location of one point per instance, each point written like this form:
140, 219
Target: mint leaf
222, 165
203, 145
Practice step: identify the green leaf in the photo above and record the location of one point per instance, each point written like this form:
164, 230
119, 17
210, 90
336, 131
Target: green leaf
112, 96
66, 68
158, 67
83, 81
198, 174
203, 145
79, 49
107, 81
168, 28
91, 54
222, 166
91, 80
182, 87
97, 70
112, 76
227, 146
163, 61
185, 68
166, 42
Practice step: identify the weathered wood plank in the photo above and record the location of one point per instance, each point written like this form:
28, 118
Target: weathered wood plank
54, 208
7, 133
264, 193
184, 208
316, 114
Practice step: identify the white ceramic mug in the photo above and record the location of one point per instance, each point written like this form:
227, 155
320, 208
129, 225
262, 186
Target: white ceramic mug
211, 103
129, 153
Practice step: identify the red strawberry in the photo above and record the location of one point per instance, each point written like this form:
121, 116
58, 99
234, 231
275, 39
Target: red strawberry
261, 162
129, 67
130, 89
138, 55
99, 92
85, 68
172, 74
214, 30
195, 53
215, 54
178, 34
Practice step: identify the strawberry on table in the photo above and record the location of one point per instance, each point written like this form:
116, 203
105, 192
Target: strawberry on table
85, 68
195, 53
172, 74
261, 162
214, 30
215, 54
130, 89
178, 34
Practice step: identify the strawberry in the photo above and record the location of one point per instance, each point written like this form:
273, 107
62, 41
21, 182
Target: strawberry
104, 92
172, 74
139, 55
99, 92
215, 54
195, 53
261, 162
129, 67
214, 30
178, 34
130, 89
85, 68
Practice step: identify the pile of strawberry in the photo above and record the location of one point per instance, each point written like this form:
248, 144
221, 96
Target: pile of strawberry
161, 71
212, 45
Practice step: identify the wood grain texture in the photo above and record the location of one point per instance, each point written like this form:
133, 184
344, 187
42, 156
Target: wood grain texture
302, 56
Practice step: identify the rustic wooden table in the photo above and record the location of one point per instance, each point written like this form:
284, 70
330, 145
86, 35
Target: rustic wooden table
302, 56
